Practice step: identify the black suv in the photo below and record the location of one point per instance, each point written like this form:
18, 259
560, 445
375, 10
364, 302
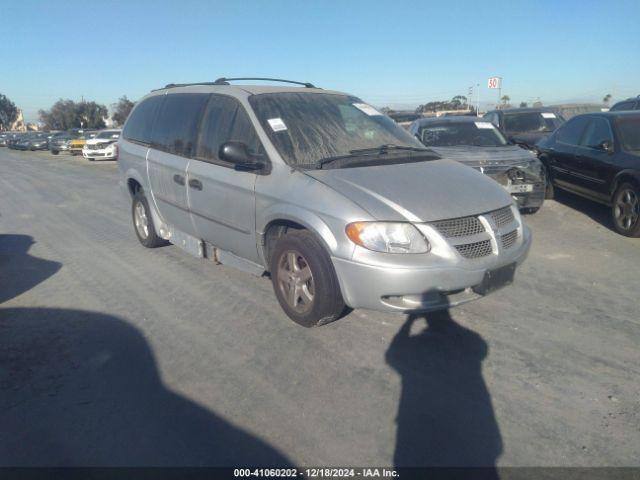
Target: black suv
525, 126
628, 104
597, 156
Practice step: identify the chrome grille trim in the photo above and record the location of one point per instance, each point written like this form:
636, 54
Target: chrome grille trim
459, 227
502, 217
509, 239
475, 250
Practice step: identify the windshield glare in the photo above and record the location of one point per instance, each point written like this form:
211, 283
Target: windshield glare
531, 122
308, 127
481, 134
629, 133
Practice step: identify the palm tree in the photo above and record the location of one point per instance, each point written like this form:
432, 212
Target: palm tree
505, 99
606, 99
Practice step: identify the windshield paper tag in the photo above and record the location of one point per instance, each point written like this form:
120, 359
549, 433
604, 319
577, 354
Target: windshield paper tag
484, 125
276, 124
368, 109
548, 115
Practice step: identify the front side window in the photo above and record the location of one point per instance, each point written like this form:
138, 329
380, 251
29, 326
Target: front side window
176, 127
531, 122
571, 132
597, 133
306, 128
225, 120
629, 134
480, 134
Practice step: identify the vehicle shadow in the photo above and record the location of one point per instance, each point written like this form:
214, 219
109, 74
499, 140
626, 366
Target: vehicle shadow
596, 211
445, 416
19, 271
82, 388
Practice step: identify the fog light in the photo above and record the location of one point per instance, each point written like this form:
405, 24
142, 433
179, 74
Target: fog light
516, 174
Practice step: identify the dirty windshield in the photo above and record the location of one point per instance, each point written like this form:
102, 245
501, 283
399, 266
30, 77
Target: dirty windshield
307, 128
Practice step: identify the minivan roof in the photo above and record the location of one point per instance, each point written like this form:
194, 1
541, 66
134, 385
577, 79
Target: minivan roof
242, 90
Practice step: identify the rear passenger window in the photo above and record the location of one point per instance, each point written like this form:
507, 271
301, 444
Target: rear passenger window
571, 132
140, 122
176, 127
225, 120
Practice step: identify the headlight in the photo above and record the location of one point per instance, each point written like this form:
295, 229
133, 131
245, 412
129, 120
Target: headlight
387, 237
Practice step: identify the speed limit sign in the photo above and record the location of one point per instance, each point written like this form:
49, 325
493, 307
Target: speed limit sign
494, 82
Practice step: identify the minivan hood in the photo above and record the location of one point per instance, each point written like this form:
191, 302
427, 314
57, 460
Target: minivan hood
416, 192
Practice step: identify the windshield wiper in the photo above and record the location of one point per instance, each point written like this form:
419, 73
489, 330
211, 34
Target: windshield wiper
382, 149
362, 152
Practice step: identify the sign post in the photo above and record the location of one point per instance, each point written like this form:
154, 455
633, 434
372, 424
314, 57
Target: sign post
496, 83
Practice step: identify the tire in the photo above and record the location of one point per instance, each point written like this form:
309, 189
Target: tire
305, 251
55, 152
625, 209
147, 236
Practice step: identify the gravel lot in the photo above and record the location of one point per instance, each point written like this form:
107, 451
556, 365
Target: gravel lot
111, 354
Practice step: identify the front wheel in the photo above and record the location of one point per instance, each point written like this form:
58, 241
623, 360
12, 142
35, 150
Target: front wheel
626, 210
143, 222
304, 280
55, 152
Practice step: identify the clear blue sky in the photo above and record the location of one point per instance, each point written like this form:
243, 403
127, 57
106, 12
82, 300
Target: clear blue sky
387, 52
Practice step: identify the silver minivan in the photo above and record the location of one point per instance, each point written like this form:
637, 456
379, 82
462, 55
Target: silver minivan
337, 203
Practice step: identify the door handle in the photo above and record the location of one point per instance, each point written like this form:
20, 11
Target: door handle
179, 179
195, 184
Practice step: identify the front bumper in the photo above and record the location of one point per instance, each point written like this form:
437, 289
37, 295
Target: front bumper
98, 154
422, 288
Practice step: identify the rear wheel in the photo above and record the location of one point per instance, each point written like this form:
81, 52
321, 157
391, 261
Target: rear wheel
143, 222
626, 210
55, 152
304, 280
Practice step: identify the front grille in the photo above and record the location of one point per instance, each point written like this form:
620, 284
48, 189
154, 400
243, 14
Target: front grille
475, 250
509, 239
459, 227
502, 217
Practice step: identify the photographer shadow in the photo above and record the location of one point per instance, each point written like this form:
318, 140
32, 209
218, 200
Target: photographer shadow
445, 416
82, 388
19, 271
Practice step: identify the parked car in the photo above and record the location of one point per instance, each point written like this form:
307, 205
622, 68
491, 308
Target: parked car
77, 143
102, 146
597, 156
39, 141
525, 126
336, 201
61, 142
628, 104
480, 145
5, 137
30, 141
14, 138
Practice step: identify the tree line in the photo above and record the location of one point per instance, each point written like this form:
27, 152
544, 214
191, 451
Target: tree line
66, 114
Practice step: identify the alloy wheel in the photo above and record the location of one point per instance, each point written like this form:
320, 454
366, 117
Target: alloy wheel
295, 281
626, 209
141, 220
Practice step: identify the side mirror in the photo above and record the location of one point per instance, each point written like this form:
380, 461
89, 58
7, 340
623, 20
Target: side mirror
238, 154
606, 146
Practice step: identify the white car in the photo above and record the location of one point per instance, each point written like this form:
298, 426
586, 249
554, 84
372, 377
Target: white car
102, 146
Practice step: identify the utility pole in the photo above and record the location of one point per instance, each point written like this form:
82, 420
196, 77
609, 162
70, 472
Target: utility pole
478, 100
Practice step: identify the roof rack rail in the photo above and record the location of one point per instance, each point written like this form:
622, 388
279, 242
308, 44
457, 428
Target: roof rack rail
225, 81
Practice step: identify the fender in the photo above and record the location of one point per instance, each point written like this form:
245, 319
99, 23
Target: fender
313, 221
158, 223
635, 174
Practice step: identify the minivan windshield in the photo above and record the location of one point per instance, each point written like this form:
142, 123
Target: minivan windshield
308, 128
531, 122
479, 134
